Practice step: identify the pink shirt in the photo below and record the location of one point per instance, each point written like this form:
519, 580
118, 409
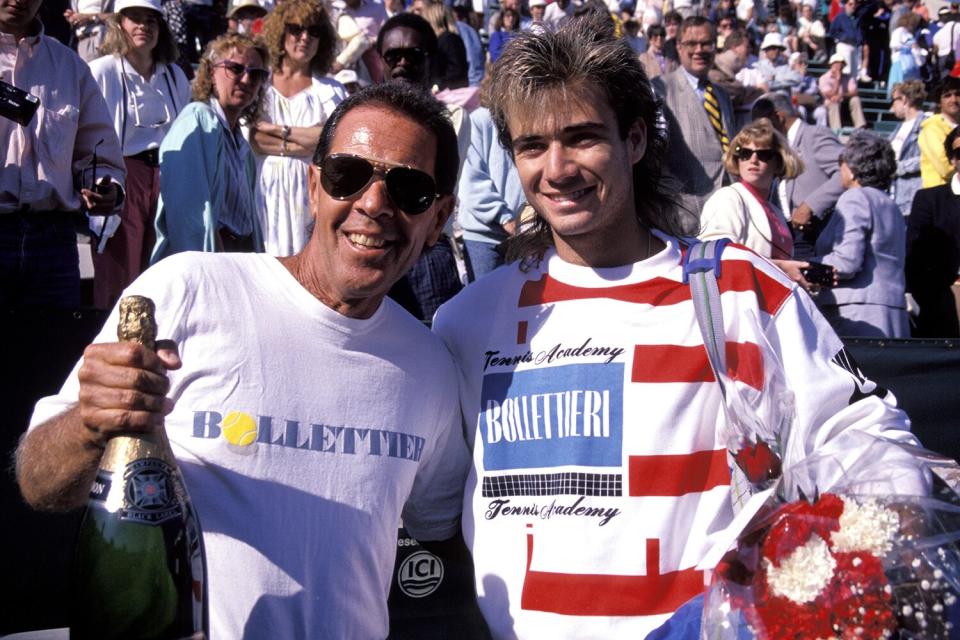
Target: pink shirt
830, 86
781, 240
41, 160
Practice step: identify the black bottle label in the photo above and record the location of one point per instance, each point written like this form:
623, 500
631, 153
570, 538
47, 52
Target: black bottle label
147, 494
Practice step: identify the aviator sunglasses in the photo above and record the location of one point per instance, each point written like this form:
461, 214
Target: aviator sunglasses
236, 70
296, 30
763, 155
343, 176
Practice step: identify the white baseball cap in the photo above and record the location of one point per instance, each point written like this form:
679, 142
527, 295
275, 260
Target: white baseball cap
120, 5
772, 40
837, 57
537, 3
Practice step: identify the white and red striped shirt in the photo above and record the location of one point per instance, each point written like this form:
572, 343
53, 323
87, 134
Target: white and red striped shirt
600, 474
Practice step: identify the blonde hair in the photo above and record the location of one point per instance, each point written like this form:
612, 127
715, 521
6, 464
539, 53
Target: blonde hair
216, 51
762, 132
115, 41
306, 13
440, 18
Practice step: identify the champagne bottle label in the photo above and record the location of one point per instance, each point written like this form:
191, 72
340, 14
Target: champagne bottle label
146, 495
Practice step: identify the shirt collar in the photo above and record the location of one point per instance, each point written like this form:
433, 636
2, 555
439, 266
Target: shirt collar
692, 79
792, 131
31, 38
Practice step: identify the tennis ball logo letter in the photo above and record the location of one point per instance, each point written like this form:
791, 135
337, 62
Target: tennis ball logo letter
239, 428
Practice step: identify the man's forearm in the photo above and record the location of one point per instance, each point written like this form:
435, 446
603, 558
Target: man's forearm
56, 464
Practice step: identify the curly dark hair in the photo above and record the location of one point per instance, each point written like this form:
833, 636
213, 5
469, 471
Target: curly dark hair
414, 103
581, 56
305, 13
428, 39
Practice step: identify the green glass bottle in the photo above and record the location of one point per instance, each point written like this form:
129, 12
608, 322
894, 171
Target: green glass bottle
139, 569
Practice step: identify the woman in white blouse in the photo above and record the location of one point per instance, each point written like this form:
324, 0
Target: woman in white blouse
746, 211
144, 91
302, 43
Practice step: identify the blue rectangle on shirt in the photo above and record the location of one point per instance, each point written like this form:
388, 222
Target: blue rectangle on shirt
551, 417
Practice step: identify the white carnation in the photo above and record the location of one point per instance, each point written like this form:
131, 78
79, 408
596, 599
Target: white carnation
804, 573
867, 527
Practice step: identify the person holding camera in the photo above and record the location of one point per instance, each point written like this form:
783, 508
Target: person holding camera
61, 158
865, 241
145, 91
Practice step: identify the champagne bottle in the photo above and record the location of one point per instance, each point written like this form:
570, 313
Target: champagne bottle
139, 569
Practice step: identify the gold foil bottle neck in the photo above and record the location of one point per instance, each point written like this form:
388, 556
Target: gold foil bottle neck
137, 324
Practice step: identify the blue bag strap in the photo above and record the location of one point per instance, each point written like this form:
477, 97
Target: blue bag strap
701, 270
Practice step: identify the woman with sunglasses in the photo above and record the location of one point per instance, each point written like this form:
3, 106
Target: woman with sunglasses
207, 169
746, 211
298, 101
144, 91
865, 241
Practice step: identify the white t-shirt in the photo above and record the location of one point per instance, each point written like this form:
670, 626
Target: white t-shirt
354, 421
600, 477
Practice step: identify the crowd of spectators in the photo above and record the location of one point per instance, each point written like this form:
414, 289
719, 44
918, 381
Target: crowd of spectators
769, 138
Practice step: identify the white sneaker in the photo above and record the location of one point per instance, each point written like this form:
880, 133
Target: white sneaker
863, 77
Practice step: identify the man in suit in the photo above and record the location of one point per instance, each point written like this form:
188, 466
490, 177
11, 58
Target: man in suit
699, 118
933, 251
811, 196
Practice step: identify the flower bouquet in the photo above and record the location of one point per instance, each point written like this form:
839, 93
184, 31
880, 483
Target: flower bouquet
841, 565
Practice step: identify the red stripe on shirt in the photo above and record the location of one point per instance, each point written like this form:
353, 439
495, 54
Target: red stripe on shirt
609, 595
676, 363
736, 275
677, 475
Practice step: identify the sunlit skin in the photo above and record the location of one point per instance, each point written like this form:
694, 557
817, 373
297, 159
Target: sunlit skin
577, 172
755, 172
696, 48
950, 105
301, 49
361, 246
405, 69
236, 94
142, 29
16, 16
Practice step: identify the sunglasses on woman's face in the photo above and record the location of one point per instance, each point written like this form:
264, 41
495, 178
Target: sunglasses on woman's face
296, 30
343, 176
763, 155
955, 153
236, 71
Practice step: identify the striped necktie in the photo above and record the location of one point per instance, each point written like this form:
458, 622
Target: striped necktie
712, 106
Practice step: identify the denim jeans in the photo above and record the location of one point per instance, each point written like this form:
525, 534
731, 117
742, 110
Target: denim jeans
39, 264
482, 258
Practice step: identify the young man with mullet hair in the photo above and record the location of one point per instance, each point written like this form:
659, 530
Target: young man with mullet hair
600, 479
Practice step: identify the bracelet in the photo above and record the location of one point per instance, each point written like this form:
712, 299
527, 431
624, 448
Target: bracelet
283, 148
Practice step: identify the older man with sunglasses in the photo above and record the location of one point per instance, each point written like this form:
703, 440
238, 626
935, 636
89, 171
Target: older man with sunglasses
350, 404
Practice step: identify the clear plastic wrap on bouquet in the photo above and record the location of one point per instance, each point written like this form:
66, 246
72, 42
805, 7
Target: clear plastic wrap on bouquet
844, 564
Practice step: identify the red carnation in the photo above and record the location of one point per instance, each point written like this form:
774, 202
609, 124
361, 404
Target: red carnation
758, 462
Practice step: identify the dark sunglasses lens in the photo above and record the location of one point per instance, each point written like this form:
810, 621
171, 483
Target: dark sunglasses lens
343, 176
413, 56
765, 155
257, 75
294, 29
411, 190
235, 68
955, 153
314, 31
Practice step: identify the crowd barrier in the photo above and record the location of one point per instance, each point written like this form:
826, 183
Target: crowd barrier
431, 595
